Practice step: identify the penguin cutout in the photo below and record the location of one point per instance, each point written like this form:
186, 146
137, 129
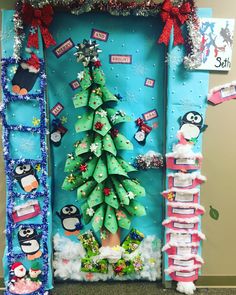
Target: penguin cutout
70, 219
191, 126
29, 241
26, 75
58, 131
26, 177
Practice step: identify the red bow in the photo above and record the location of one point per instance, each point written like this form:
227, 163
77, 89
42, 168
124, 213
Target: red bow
173, 16
38, 17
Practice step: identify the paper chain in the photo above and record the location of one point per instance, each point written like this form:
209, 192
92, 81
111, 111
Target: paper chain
10, 164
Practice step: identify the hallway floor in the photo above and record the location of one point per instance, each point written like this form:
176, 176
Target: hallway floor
128, 288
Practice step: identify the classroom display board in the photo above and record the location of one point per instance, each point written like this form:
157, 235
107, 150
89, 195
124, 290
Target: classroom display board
102, 147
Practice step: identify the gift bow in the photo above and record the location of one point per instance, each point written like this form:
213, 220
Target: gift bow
173, 16
38, 17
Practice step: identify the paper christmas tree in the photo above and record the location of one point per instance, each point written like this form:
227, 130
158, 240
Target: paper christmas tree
108, 195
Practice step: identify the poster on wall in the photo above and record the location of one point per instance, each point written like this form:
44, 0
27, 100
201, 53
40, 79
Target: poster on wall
217, 43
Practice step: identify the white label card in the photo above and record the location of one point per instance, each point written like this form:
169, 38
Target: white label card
182, 182
183, 211
228, 91
183, 197
184, 262
185, 161
25, 211
184, 251
185, 274
183, 225
186, 238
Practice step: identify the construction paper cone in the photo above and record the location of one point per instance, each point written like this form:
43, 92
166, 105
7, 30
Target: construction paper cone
110, 220
120, 191
134, 187
117, 117
108, 144
72, 163
86, 217
86, 81
95, 100
136, 209
71, 182
81, 99
98, 218
107, 95
84, 146
84, 190
85, 121
125, 165
101, 124
98, 142
112, 198
96, 197
122, 143
114, 167
100, 172
123, 219
99, 77
91, 164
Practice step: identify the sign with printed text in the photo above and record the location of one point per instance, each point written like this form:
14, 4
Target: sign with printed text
57, 109
150, 115
120, 59
217, 43
149, 82
74, 84
99, 35
63, 48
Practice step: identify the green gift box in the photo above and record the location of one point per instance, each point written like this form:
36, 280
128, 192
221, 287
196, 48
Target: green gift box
101, 124
132, 241
98, 143
89, 243
89, 265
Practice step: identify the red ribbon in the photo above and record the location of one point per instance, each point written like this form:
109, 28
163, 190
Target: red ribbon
38, 17
173, 16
